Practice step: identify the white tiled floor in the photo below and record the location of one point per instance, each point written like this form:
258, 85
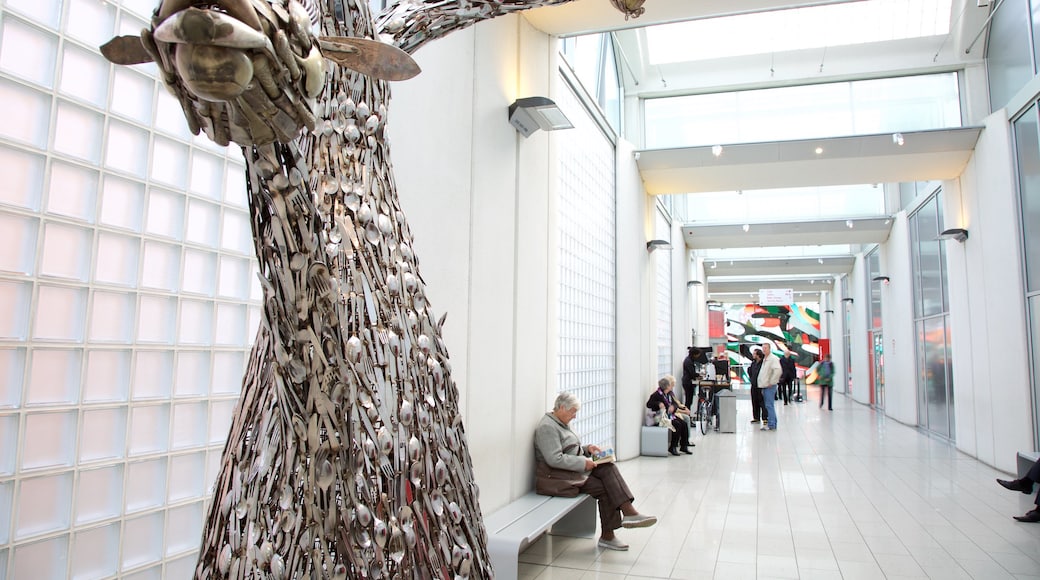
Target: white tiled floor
846, 494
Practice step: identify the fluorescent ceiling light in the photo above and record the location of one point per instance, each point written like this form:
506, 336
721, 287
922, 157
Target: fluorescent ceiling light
843, 24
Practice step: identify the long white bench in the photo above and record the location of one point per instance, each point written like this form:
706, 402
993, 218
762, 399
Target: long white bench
519, 524
1026, 459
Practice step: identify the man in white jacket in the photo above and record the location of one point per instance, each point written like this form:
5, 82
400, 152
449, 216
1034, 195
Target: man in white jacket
768, 377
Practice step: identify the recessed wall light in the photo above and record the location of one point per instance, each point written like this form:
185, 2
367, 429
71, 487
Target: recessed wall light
848, 224
716, 150
745, 227
819, 150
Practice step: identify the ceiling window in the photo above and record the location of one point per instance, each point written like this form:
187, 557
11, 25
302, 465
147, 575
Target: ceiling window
798, 29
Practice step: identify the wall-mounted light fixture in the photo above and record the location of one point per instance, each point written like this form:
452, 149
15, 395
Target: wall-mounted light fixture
849, 300
693, 283
884, 279
828, 312
532, 113
959, 234
658, 245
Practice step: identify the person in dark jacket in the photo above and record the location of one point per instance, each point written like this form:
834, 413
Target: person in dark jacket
662, 400
758, 409
689, 375
787, 375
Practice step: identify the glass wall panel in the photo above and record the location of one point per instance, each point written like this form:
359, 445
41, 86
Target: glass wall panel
592, 59
866, 107
1008, 54
929, 261
662, 260
934, 359
586, 306
1027, 150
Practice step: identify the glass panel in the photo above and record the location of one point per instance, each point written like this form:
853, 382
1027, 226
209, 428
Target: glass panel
170, 163
31, 124
127, 149
122, 203
18, 238
183, 528
95, 552
73, 191
9, 431
196, 322
143, 540
935, 366
1034, 341
200, 272
153, 374
43, 560
149, 429
192, 378
228, 368
234, 278
235, 185
14, 318
45, 12
77, 132
12, 373
187, 476
165, 213
112, 317
84, 76
6, 495
220, 415
231, 325
864, 107
49, 440
43, 505
91, 22
189, 425
1008, 54
145, 485
203, 223
930, 262
23, 174
1027, 152
66, 251
157, 319
794, 204
28, 52
237, 235
207, 175
99, 494
117, 260
54, 377
65, 317
161, 267
108, 376
169, 116
132, 96
102, 434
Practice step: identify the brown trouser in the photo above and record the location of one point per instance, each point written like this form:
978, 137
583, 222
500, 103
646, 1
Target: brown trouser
611, 492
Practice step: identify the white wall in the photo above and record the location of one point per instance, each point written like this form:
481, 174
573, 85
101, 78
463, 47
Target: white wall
858, 332
990, 352
897, 319
480, 202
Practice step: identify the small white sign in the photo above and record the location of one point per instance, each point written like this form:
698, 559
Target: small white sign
775, 296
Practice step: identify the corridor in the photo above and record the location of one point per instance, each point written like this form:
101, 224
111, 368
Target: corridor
847, 494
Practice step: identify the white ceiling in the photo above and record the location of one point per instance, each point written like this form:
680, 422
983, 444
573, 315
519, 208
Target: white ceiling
873, 159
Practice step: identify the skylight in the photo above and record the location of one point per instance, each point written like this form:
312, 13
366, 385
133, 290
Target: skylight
797, 29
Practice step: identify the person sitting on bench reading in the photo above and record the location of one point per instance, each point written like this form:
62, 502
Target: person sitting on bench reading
1025, 485
564, 468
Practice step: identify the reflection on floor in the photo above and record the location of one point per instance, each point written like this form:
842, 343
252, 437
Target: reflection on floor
846, 494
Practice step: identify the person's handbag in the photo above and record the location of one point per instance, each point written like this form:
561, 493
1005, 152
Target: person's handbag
557, 482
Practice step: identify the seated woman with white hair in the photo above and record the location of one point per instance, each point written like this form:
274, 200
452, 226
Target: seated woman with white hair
564, 469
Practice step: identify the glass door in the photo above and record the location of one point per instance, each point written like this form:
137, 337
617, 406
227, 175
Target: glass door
878, 356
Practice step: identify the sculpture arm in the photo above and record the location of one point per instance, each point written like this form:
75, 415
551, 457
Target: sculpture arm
413, 23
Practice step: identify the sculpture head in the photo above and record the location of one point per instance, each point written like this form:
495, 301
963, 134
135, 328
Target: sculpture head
249, 71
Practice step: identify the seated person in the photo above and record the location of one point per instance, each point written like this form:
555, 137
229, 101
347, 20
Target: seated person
663, 401
563, 468
1025, 485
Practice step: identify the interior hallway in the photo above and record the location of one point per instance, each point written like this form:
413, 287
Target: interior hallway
846, 494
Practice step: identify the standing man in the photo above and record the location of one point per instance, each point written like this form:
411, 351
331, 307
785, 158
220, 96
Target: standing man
768, 377
787, 374
826, 382
758, 412
689, 374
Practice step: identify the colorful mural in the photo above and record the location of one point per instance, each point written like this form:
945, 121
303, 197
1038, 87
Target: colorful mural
793, 328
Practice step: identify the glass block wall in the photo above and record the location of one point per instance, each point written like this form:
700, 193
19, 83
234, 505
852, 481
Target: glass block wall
128, 283
662, 260
587, 275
